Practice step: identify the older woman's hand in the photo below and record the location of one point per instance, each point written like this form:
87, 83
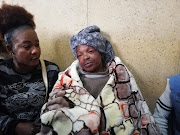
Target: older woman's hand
58, 101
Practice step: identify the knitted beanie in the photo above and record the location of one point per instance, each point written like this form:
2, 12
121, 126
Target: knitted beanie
91, 36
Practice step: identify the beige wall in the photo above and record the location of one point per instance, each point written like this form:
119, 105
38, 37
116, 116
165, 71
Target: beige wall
145, 34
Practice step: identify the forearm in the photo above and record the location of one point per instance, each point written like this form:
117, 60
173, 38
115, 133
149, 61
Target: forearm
161, 121
7, 125
163, 110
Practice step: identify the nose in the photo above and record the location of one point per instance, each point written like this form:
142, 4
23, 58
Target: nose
35, 50
86, 56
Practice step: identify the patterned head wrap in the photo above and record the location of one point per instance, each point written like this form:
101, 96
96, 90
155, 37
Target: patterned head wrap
91, 36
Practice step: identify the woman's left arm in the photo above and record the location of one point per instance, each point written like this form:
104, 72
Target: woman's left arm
163, 110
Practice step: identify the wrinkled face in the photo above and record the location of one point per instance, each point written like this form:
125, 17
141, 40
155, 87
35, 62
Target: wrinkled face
89, 59
26, 50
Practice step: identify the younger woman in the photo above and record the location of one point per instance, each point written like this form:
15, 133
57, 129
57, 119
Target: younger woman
22, 89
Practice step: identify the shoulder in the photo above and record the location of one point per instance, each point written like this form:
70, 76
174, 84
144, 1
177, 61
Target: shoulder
174, 81
7, 63
47, 63
51, 66
174, 76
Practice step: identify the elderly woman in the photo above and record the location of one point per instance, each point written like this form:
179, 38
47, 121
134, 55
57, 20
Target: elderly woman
100, 94
22, 86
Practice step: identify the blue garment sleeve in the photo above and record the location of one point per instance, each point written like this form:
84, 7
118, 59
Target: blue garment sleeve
163, 110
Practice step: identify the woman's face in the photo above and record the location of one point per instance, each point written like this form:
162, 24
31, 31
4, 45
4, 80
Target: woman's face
25, 48
89, 59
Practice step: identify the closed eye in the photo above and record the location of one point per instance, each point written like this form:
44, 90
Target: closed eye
79, 55
91, 51
26, 46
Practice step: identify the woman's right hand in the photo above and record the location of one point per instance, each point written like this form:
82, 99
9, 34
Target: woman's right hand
27, 128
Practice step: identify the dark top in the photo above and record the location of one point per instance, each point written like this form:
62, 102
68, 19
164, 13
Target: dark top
22, 95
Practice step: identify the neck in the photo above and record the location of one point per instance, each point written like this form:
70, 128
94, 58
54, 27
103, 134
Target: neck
22, 68
104, 69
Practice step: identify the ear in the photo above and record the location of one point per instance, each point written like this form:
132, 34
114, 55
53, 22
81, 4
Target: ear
9, 49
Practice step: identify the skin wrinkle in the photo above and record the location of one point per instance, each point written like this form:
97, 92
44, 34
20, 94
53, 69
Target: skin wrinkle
90, 59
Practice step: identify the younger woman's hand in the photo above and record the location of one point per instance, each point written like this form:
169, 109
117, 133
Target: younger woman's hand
27, 128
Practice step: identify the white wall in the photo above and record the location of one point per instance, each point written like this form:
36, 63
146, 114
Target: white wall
145, 34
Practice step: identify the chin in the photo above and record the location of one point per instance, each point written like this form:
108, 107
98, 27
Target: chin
34, 63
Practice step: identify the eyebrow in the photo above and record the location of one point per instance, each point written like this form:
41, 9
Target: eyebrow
28, 42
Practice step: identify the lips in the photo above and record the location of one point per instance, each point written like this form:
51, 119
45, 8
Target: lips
35, 59
88, 64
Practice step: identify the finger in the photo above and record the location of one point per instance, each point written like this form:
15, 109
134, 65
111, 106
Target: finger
57, 103
59, 100
58, 89
54, 107
60, 93
54, 101
36, 129
57, 92
45, 129
52, 93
